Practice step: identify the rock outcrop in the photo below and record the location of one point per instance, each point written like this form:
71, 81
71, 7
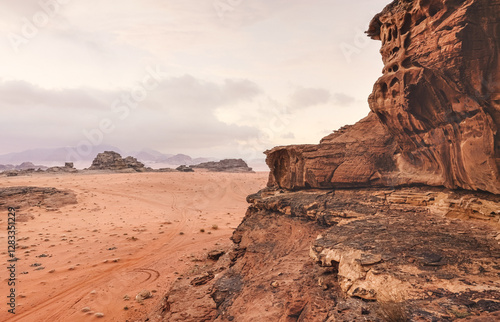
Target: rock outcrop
21, 167
133, 163
369, 224
340, 255
26, 197
359, 155
110, 160
436, 109
439, 97
184, 168
68, 168
226, 165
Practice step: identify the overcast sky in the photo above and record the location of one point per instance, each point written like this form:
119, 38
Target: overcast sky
218, 78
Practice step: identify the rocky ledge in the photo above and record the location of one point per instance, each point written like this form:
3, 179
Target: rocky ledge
26, 197
426, 254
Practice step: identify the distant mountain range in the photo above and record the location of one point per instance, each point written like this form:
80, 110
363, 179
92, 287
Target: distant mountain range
150, 155
51, 155
57, 156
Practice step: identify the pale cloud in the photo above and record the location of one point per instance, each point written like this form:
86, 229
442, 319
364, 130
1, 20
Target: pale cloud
341, 99
227, 74
21, 95
305, 97
178, 114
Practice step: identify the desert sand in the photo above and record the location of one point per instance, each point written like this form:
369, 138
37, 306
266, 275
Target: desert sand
128, 233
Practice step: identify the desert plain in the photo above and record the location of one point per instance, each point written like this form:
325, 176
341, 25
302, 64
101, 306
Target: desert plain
127, 233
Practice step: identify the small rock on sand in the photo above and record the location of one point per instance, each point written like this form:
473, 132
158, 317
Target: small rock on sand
144, 294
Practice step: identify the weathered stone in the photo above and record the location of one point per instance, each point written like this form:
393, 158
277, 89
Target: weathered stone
435, 112
226, 165
25, 197
143, 295
439, 97
110, 160
382, 248
65, 169
215, 254
359, 155
132, 162
203, 279
184, 168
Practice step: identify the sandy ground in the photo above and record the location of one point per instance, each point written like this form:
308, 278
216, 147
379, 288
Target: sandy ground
128, 233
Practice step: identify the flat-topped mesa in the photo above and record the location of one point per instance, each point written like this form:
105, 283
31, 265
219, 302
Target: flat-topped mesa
435, 111
226, 165
439, 96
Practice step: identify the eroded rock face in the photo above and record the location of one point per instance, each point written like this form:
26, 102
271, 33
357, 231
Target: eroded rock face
439, 97
110, 160
436, 109
133, 163
359, 155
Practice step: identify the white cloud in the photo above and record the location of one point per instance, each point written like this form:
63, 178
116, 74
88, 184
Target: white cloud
179, 113
305, 97
226, 73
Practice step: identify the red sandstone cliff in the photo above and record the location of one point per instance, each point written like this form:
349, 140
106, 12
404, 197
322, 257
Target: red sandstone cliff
439, 97
436, 108
374, 250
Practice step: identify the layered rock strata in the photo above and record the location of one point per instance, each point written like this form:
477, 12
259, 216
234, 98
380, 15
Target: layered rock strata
315, 255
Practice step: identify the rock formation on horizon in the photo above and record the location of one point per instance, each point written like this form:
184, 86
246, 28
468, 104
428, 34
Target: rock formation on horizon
184, 168
395, 243
21, 167
226, 165
435, 116
110, 160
